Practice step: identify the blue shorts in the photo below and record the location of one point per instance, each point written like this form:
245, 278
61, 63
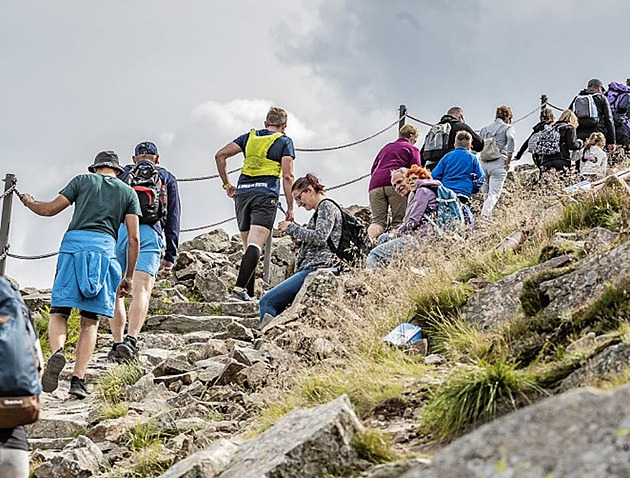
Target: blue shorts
151, 245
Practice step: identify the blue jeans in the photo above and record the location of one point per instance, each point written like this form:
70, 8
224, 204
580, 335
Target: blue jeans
278, 299
386, 250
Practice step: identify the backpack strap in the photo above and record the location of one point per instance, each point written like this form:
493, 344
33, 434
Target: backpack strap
329, 240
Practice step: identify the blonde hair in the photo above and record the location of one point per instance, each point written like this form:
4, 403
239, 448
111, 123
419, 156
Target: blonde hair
407, 131
463, 139
568, 116
595, 139
276, 117
505, 113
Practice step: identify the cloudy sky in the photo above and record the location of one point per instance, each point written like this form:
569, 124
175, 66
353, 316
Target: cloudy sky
80, 76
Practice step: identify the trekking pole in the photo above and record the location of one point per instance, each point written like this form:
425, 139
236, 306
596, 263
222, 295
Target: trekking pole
7, 203
402, 114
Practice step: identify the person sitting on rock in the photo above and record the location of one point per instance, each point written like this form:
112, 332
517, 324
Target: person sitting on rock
88, 274
593, 158
165, 222
314, 253
421, 209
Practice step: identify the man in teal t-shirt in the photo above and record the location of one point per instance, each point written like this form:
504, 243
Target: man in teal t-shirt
88, 275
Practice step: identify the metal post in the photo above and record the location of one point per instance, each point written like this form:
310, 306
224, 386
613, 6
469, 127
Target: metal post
628, 82
7, 204
543, 100
402, 112
267, 263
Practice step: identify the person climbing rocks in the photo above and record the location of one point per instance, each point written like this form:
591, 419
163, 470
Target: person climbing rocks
88, 276
269, 156
161, 211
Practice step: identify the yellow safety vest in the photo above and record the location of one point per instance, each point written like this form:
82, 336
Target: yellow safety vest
256, 161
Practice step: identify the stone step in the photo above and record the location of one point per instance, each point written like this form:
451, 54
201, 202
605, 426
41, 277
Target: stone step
233, 309
183, 324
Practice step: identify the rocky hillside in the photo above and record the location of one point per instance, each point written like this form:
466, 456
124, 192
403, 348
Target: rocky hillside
519, 318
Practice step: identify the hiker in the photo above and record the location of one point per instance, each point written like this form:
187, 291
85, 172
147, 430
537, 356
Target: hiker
594, 114
421, 210
546, 120
88, 275
460, 171
496, 156
618, 96
323, 228
160, 204
269, 156
20, 374
383, 199
441, 138
593, 158
556, 144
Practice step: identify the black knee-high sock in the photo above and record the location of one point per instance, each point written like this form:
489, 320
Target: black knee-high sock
251, 285
248, 265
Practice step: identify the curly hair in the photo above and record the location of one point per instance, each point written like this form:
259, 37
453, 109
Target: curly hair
419, 171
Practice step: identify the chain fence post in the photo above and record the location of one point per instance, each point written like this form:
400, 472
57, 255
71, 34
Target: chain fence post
5, 223
267, 263
402, 114
543, 100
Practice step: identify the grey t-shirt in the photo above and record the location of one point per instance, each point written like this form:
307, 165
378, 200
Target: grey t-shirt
100, 203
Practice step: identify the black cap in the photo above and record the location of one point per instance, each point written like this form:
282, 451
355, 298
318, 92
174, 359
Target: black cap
106, 159
595, 83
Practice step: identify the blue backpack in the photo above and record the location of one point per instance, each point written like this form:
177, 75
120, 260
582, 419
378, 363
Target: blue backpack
450, 213
20, 360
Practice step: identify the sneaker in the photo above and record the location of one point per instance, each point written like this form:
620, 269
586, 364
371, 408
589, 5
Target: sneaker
78, 388
50, 378
128, 350
240, 295
266, 320
113, 355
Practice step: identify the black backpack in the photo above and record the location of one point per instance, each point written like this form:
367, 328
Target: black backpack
144, 178
353, 244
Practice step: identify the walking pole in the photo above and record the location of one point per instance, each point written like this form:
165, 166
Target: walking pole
7, 204
402, 113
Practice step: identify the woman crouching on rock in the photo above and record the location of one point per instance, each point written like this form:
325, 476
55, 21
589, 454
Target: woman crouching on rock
314, 252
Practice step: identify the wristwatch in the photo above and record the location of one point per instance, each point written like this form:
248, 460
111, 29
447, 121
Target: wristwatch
226, 186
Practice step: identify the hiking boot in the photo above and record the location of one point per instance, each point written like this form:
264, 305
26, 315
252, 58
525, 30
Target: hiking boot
113, 355
241, 295
78, 388
50, 379
128, 349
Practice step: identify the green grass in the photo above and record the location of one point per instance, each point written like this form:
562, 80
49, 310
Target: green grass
457, 339
443, 300
475, 395
374, 446
607, 208
112, 384
111, 411
142, 435
494, 266
148, 463
74, 324
368, 382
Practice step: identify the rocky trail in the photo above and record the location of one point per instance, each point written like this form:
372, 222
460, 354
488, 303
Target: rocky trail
519, 335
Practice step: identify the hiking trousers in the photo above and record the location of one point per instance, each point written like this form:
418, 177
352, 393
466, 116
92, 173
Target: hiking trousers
495, 177
13, 463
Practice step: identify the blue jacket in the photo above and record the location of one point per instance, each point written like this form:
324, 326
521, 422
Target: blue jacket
455, 171
170, 227
88, 273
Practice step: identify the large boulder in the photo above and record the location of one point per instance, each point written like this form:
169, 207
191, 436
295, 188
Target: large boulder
210, 286
183, 324
81, 458
583, 433
213, 241
307, 443
206, 463
605, 365
498, 303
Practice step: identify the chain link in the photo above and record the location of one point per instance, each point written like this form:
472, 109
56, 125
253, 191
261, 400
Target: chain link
205, 178
426, 123
347, 145
199, 228
347, 183
11, 190
553, 106
527, 115
32, 258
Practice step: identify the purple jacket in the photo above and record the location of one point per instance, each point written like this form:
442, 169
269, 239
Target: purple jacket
399, 154
424, 205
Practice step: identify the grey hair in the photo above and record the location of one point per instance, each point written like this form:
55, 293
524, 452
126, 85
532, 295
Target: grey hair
402, 171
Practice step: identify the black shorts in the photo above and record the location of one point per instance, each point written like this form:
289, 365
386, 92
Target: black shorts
255, 209
84, 313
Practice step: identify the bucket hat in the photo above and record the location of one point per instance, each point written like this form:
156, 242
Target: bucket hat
106, 159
